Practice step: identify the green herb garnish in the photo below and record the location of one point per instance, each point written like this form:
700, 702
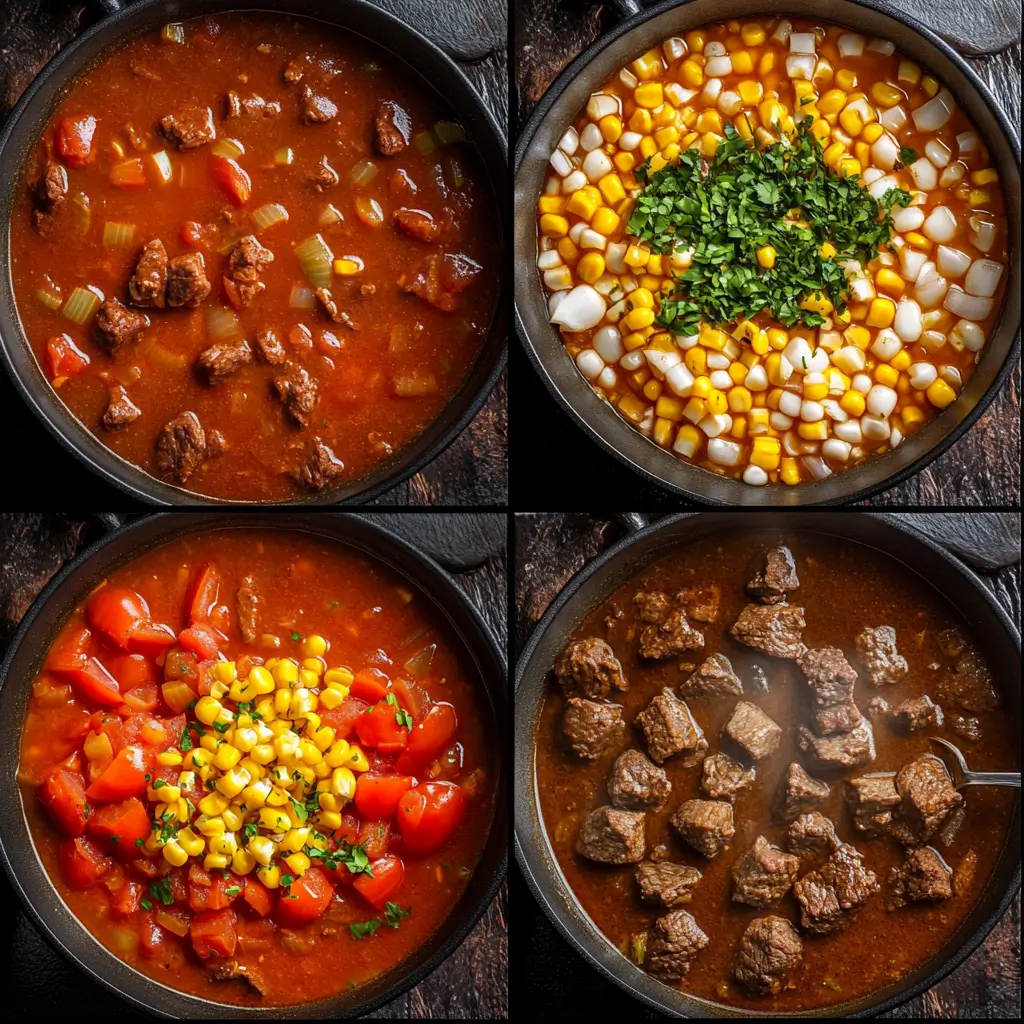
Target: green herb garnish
395, 914
908, 156
363, 929
162, 891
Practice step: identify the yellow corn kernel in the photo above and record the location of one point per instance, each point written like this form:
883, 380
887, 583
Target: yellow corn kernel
833, 154
766, 64
846, 79
274, 820
912, 416
871, 133
817, 303
192, 844
668, 407
232, 782
696, 360
889, 281
624, 162
637, 319
760, 344
568, 251
827, 250
985, 177
331, 698
929, 85
329, 820
709, 144
641, 297
262, 849
900, 361
648, 66
265, 706
224, 672
778, 339
636, 256
978, 197
649, 95
634, 341
909, 72
227, 756
662, 432
751, 92
856, 335
832, 102
885, 374
886, 95
584, 203
709, 121
328, 801
174, 854
286, 671
590, 268
294, 840
765, 452
881, 313
742, 62
712, 338
214, 804
813, 431
852, 402
343, 783
939, 393
691, 74
815, 387
232, 817
282, 701
752, 34
207, 709
242, 862
167, 757
545, 204
740, 400
269, 875
717, 402
611, 127
701, 387
652, 390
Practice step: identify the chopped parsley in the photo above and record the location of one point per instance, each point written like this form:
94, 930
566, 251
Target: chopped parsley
222, 726
159, 783
245, 707
296, 636
363, 929
232, 890
251, 830
393, 918
139, 842
403, 718
395, 913
115, 839
145, 904
185, 743
300, 809
908, 156
161, 891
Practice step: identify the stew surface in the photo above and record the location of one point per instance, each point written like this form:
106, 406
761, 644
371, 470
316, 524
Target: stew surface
843, 590
255, 768
250, 255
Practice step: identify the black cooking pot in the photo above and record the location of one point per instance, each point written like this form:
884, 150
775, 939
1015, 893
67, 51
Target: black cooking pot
599, 421
426, 61
988, 622
41, 624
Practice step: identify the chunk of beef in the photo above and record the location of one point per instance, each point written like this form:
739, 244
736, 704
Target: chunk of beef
190, 128
51, 189
841, 750
392, 127
666, 884
673, 944
440, 279
829, 675
187, 284
233, 970
722, 777
222, 359
417, 224
797, 793
764, 874
701, 603
768, 951
181, 447
247, 601
612, 836
269, 347
324, 177
753, 731
776, 577
828, 896
247, 261
775, 629
589, 667
297, 391
927, 795
652, 606
968, 728
671, 638
924, 875
917, 713
121, 410
706, 825
837, 718
249, 106
878, 707
294, 70
714, 678
871, 799
637, 784
315, 109
970, 685
321, 468
148, 285
330, 307
877, 649
811, 834
116, 325
670, 729
592, 729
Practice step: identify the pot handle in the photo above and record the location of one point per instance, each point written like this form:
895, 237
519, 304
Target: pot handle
631, 522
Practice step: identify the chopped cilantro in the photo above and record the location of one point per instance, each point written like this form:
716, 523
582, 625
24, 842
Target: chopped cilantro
159, 783
908, 156
300, 809
139, 842
312, 806
245, 707
186, 740
251, 829
222, 726
296, 636
287, 880
161, 891
362, 929
145, 904
395, 914
147, 776
403, 718
391, 699
115, 839
232, 890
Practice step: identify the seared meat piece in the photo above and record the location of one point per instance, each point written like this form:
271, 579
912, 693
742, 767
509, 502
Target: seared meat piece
51, 189
247, 260
707, 825
612, 836
670, 638
325, 177
673, 944
753, 731
190, 128
877, 649
148, 286
842, 750
917, 713
723, 777
927, 796
316, 109
714, 678
592, 729
393, 129
637, 784
249, 106
764, 874
181, 447
701, 603
666, 884
828, 896
440, 279
294, 70
776, 577
775, 629
223, 358
971, 685
269, 347
829, 675
769, 949
968, 728
798, 793
811, 834
231, 970
843, 717
652, 606
670, 729
924, 875
121, 410
320, 469
331, 308
297, 391
248, 604
187, 284
416, 224
116, 325
871, 800
589, 667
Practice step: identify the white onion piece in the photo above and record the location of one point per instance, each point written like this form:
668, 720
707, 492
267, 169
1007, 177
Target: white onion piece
835, 449
782, 31
885, 152
970, 307
560, 162
601, 104
893, 119
874, 428
591, 239
940, 225
921, 375
606, 284
718, 67
673, 48
724, 453
934, 114
908, 218
607, 378
729, 103
967, 142
590, 364
799, 66
569, 142
851, 44
969, 335
952, 174
952, 262
574, 181
549, 260
933, 340
630, 140
907, 323
878, 188
715, 49
584, 307
679, 379
710, 92
802, 42
886, 344
817, 467
591, 138
661, 362
554, 301
789, 403
848, 431
881, 400
871, 174
678, 95
558, 280
983, 278
576, 231
930, 287
632, 361
912, 261
924, 174
597, 165
628, 79
715, 425
937, 152
983, 233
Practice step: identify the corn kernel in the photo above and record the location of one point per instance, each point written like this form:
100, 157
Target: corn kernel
649, 95
269, 875
174, 854
881, 313
890, 282
939, 393
852, 402
207, 709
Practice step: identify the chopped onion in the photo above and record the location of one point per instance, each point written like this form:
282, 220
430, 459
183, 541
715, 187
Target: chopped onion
967, 334
222, 323
983, 278
363, 173
940, 225
569, 142
934, 114
162, 165
908, 218
937, 152
983, 233
893, 119
230, 149
583, 308
798, 66
970, 307
269, 215
952, 262
329, 216
924, 174
315, 258
419, 663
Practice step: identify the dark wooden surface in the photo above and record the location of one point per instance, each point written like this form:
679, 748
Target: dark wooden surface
550, 548
474, 469
471, 985
982, 468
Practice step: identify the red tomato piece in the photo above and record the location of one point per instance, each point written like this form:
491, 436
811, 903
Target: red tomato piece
117, 612
63, 796
429, 736
69, 652
234, 180
369, 684
307, 898
131, 670
151, 639
151, 937
388, 875
142, 698
202, 593
82, 862
202, 639
93, 682
377, 796
213, 933
342, 719
428, 814
374, 837
258, 896
380, 727
63, 357
125, 901
125, 776
74, 139
412, 697
124, 822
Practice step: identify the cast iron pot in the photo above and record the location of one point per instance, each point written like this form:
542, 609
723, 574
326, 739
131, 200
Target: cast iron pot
41, 624
598, 420
426, 61
986, 618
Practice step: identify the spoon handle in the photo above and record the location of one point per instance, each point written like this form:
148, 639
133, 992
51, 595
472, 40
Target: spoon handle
1011, 779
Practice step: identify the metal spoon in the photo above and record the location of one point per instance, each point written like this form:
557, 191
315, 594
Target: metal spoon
963, 776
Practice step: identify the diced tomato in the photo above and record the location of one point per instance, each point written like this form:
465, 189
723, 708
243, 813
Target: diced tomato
128, 173
117, 612
82, 862
142, 698
150, 867
111, 726
214, 892
213, 933
412, 697
369, 684
196, 235
177, 884
258, 896
93, 682
124, 822
374, 837
74, 139
63, 796
377, 796
429, 813
388, 874
63, 357
181, 664
125, 776
151, 639
131, 670
230, 175
202, 593
155, 734
307, 898
201, 638
69, 652
429, 736
342, 719
380, 728
152, 937
126, 900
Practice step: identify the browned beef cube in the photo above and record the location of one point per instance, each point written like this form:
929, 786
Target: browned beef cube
148, 286
798, 793
723, 777
652, 605
589, 667
247, 260
671, 638
269, 347
190, 128
324, 177
768, 951
775, 629
829, 895
187, 284
417, 224
637, 784
927, 795
321, 468
811, 834
706, 825
701, 603
877, 708
297, 391
223, 358
917, 713
666, 884
829, 675
841, 750
670, 729
968, 728
714, 678
51, 190
116, 325
877, 649
315, 109
121, 410
248, 604
393, 128
673, 944
833, 718
753, 731
924, 875
249, 106
295, 69
971, 685
871, 799
181, 447
330, 307
612, 836
592, 729
776, 577
764, 874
